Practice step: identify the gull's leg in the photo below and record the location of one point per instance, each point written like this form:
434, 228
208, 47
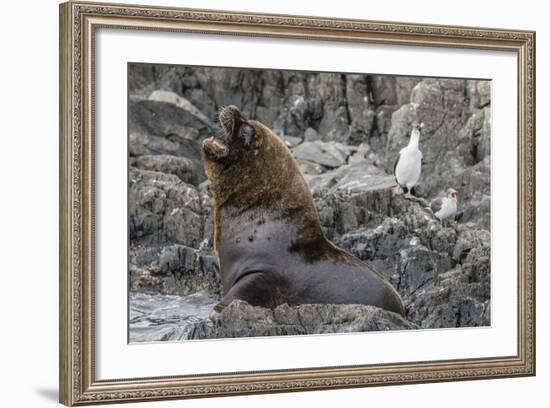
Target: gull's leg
396, 190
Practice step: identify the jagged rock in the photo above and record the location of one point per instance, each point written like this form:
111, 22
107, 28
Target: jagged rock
311, 135
163, 208
310, 168
358, 177
384, 115
176, 257
165, 119
361, 155
238, 87
483, 89
476, 136
383, 89
187, 170
291, 141
328, 154
182, 103
240, 319
452, 302
174, 269
403, 89
360, 108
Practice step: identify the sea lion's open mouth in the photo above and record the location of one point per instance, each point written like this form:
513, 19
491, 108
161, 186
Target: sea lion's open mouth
215, 148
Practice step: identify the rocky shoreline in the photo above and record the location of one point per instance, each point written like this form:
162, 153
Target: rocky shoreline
240, 319
345, 131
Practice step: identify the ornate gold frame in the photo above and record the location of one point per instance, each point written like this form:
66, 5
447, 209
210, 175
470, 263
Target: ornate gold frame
78, 21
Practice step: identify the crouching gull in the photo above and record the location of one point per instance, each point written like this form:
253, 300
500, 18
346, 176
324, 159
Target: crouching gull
444, 207
408, 164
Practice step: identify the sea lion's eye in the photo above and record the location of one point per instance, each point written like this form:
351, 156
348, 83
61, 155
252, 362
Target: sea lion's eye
247, 133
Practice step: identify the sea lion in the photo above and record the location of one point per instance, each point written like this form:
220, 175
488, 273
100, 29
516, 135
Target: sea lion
267, 233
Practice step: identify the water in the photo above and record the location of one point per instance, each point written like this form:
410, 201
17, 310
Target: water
156, 317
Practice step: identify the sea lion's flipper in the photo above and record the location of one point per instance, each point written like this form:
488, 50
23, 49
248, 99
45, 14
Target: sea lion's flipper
257, 288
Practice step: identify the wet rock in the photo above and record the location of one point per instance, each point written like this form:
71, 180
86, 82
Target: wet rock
240, 319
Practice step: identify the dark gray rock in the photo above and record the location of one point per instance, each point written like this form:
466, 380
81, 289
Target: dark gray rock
187, 170
162, 208
383, 89
350, 197
240, 319
174, 269
164, 119
360, 109
443, 274
176, 257
231, 87
182, 103
403, 89
475, 136
383, 119
453, 302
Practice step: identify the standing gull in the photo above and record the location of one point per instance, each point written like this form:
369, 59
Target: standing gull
408, 164
445, 207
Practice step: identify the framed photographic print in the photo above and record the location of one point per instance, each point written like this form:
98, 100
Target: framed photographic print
261, 203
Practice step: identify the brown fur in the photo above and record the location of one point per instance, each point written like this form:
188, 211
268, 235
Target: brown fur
259, 175
259, 179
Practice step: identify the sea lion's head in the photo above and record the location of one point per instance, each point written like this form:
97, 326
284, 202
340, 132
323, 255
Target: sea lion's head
250, 166
239, 137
